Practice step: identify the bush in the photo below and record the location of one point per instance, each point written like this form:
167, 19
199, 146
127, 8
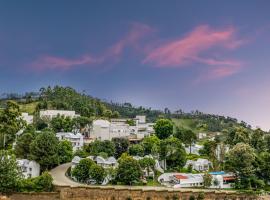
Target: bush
192, 197
41, 183
200, 196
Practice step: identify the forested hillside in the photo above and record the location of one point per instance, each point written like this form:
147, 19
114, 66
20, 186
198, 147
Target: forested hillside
67, 98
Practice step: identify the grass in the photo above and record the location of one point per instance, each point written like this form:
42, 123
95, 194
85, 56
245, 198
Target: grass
187, 124
152, 182
29, 107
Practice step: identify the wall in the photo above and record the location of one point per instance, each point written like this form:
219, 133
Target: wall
111, 193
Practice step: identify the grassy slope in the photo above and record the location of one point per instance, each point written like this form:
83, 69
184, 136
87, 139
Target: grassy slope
29, 107
186, 123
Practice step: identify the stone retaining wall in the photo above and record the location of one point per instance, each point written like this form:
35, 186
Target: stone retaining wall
111, 193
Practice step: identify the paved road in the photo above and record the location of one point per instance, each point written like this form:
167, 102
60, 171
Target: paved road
59, 177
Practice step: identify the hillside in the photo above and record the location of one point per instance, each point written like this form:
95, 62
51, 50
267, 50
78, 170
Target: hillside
67, 98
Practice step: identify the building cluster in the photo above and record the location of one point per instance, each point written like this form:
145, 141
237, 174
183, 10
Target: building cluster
135, 130
107, 130
184, 180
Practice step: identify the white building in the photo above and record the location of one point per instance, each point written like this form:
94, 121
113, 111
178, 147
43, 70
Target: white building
75, 161
28, 118
194, 149
76, 139
49, 114
200, 165
29, 168
183, 180
202, 135
104, 162
107, 130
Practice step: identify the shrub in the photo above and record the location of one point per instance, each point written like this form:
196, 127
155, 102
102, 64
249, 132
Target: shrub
192, 197
200, 196
41, 183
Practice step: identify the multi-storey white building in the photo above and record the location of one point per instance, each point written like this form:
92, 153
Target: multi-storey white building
49, 114
29, 168
28, 118
107, 130
76, 139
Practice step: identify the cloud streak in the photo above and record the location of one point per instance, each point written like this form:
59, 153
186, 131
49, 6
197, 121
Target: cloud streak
187, 49
199, 46
113, 53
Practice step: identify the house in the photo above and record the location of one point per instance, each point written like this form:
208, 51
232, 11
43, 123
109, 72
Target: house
49, 114
199, 165
29, 168
194, 149
104, 162
75, 161
28, 118
76, 139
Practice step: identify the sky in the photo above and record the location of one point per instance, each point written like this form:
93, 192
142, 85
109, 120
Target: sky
209, 55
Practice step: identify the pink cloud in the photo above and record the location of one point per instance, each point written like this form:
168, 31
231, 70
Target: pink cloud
53, 62
187, 49
218, 72
137, 32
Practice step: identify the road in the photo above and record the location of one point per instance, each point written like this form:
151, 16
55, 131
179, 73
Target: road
59, 177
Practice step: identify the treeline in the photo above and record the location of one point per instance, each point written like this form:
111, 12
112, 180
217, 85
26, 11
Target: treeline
67, 98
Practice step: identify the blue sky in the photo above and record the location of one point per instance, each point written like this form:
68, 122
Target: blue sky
207, 55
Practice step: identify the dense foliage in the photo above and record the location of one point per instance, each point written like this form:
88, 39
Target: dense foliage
10, 174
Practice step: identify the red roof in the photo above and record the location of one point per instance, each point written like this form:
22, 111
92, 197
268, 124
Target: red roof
180, 177
229, 178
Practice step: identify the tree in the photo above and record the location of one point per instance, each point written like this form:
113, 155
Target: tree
240, 160
147, 163
207, 180
44, 150
82, 171
43, 183
209, 148
97, 173
96, 147
128, 171
267, 141
264, 169
136, 150
173, 152
65, 151
163, 128
121, 146
188, 137
62, 123
257, 141
22, 147
81, 122
149, 142
10, 174
238, 135
11, 123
